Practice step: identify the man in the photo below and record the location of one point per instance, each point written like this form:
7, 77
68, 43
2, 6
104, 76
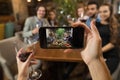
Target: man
92, 12
91, 55
31, 28
32, 24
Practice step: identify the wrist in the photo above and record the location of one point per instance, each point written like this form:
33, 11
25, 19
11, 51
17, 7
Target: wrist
22, 77
98, 69
94, 61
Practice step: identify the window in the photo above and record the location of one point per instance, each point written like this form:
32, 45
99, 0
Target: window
118, 8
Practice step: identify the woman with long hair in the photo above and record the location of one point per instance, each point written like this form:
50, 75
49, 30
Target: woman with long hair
52, 18
107, 28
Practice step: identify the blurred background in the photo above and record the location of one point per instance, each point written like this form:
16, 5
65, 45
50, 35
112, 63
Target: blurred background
18, 10
13, 14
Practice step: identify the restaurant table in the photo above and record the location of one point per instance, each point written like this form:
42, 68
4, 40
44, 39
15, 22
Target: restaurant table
57, 54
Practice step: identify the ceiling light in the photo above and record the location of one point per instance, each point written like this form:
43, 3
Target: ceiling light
28, 0
39, 0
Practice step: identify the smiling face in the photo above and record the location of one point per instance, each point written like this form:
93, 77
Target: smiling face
80, 12
104, 12
92, 10
52, 15
41, 12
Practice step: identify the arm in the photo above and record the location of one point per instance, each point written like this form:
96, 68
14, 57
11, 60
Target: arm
107, 47
26, 31
92, 56
46, 23
29, 29
22, 77
23, 67
98, 70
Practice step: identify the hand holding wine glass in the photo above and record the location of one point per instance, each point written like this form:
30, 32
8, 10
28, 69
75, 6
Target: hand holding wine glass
23, 63
35, 31
24, 60
34, 74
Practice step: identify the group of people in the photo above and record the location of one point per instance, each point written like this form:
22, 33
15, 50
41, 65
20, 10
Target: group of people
91, 55
107, 26
32, 24
101, 28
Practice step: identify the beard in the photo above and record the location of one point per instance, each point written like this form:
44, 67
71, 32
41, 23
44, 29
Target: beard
93, 16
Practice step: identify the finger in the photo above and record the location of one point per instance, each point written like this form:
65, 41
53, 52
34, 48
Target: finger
81, 24
29, 58
75, 24
33, 59
68, 50
94, 29
19, 52
33, 62
87, 29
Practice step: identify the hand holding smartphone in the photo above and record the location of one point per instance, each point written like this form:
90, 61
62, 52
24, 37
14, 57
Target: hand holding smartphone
61, 37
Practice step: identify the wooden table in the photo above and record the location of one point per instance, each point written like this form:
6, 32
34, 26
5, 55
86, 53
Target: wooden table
57, 54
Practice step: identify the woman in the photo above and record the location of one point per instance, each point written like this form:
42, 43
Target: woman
90, 55
52, 18
81, 14
107, 28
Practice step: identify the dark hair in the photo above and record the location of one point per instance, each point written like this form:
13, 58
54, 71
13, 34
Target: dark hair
40, 5
93, 3
113, 23
78, 7
37, 7
54, 11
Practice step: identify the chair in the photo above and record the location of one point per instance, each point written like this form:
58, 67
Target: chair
8, 56
116, 74
5, 68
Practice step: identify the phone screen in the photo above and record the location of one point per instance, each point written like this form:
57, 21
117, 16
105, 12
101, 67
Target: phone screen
61, 37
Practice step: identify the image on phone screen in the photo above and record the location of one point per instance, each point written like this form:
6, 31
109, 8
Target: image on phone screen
61, 37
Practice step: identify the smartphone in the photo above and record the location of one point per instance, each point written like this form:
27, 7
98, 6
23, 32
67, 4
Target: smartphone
61, 37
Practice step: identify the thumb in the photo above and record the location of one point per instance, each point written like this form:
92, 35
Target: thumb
29, 58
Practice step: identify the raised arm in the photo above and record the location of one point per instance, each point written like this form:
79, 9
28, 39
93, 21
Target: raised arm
92, 54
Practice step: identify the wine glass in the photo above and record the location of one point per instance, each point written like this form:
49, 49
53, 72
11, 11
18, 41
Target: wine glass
34, 74
69, 19
82, 17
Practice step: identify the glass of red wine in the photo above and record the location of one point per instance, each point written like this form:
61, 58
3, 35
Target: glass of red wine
34, 74
83, 20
